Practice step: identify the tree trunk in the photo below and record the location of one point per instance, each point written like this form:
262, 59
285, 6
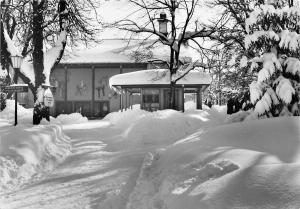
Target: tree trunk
39, 110
172, 96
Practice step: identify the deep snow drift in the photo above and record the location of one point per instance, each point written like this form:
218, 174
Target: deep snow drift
27, 150
252, 164
142, 129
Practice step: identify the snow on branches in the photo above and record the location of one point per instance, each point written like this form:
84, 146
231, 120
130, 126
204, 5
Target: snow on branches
284, 89
51, 56
273, 37
10, 45
270, 64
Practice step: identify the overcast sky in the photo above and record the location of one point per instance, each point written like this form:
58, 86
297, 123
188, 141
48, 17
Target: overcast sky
113, 10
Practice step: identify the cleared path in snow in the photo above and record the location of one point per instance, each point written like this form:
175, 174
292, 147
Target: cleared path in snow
106, 160
89, 178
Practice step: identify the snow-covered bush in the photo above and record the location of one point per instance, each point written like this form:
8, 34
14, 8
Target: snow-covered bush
274, 41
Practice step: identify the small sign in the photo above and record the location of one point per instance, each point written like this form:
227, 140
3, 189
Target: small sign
15, 88
48, 98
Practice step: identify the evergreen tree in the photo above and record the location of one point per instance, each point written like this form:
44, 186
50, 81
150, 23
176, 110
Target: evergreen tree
273, 36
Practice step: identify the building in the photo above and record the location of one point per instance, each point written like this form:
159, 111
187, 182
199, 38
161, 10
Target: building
153, 86
81, 81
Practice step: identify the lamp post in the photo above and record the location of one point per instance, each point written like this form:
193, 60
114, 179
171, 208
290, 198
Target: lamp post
163, 23
16, 63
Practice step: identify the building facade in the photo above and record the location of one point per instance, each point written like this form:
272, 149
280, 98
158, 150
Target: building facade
85, 88
81, 80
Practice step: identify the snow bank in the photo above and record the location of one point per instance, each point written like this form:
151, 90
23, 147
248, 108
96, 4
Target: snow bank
141, 128
24, 115
239, 116
72, 118
253, 164
26, 150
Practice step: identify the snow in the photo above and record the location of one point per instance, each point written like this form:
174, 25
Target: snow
183, 71
3, 73
10, 45
167, 159
73, 118
8, 114
28, 150
289, 40
20, 84
270, 65
169, 126
284, 89
276, 67
52, 54
109, 51
120, 51
254, 37
244, 62
293, 65
259, 11
241, 165
255, 91
158, 76
27, 69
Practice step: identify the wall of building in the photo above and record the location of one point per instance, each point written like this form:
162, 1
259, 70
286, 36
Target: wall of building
86, 89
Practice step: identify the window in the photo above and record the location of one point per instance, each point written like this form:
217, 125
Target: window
151, 99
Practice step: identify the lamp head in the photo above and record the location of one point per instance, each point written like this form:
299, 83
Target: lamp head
16, 61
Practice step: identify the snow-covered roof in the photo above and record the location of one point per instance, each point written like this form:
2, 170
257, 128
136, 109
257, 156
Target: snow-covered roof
158, 77
119, 51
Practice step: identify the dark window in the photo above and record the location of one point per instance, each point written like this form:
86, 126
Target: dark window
151, 99
101, 108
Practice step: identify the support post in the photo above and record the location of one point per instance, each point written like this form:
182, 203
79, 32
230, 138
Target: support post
16, 108
182, 98
16, 96
126, 99
93, 92
121, 101
131, 100
141, 105
199, 99
121, 95
66, 90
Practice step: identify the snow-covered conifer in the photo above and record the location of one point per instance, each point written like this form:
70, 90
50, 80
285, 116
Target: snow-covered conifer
273, 36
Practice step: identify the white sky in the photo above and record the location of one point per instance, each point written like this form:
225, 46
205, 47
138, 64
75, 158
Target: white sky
112, 10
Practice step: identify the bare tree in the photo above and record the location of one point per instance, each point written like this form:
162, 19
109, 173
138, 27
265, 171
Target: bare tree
35, 25
181, 17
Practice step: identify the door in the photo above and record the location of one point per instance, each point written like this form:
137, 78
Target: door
101, 108
83, 107
62, 107
167, 95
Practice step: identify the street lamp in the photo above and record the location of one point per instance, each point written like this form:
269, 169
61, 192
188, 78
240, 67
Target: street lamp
163, 23
16, 62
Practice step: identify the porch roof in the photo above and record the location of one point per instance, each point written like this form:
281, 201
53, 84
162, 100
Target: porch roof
158, 78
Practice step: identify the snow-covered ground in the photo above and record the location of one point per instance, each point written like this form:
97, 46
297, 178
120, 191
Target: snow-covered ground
165, 159
27, 150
